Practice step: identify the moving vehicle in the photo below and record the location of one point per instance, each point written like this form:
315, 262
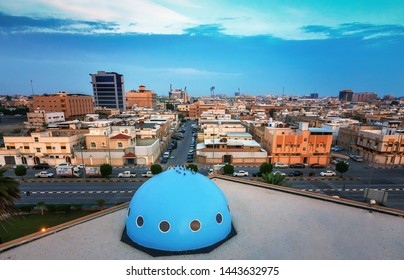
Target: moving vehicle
93, 171
43, 165
127, 174
44, 174
295, 173
328, 173
68, 171
297, 165
147, 174
240, 173
280, 165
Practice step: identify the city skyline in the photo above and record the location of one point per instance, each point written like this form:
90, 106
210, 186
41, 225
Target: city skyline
264, 47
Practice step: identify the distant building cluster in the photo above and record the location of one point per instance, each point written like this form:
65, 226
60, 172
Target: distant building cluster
136, 127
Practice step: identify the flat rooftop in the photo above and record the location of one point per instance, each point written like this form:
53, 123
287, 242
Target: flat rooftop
270, 224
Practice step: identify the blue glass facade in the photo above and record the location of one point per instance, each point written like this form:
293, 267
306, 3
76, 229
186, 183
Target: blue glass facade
108, 89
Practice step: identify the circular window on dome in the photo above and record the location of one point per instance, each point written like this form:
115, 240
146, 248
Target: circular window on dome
219, 218
139, 221
195, 225
164, 226
128, 211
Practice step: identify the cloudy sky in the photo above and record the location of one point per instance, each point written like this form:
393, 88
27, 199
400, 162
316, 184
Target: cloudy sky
259, 47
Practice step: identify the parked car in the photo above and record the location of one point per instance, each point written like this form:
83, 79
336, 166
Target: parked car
147, 174
357, 158
295, 173
280, 165
81, 166
43, 165
297, 165
279, 172
63, 164
317, 165
337, 148
335, 161
44, 174
127, 174
328, 173
240, 173
163, 160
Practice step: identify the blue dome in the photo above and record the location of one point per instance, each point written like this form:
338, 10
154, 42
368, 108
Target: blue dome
178, 210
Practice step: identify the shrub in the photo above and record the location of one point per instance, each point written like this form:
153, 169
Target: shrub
228, 169
266, 168
192, 167
106, 170
156, 169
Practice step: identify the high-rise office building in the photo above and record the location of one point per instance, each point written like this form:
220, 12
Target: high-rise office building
346, 95
108, 88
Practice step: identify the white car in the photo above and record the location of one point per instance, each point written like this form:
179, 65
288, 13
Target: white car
127, 174
240, 173
335, 161
328, 173
63, 164
280, 165
81, 166
44, 174
279, 172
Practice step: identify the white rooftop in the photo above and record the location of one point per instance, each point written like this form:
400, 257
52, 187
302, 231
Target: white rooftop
270, 224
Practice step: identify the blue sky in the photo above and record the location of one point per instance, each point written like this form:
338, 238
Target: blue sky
260, 47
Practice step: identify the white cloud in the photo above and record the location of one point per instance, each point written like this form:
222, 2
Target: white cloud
282, 19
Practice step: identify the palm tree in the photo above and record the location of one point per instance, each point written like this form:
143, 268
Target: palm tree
9, 191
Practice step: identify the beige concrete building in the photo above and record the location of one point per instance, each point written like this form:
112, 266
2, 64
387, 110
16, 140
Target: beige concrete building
50, 146
196, 109
72, 105
39, 118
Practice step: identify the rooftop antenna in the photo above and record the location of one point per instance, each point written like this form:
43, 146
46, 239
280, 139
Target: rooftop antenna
32, 88
283, 91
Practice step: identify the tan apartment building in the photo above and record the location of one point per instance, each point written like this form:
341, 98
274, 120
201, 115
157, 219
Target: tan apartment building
298, 145
141, 98
39, 118
118, 146
378, 145
51, 146
216, 129
230, 150
196, 109
72, 105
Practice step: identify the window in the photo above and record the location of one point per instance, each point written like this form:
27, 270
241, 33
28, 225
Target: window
94, 145
48, 147
219, 218
164, 226
139, 221
120, 145
279, 146
38, 150
26, 147
36, 139
195, 225
63, 147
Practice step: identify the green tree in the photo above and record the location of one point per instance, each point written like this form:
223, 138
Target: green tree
156, 169
41, 206
266, 168
274, 179
342, 167
20, 170
101, 203
228, 169
9, 191
106, 170
192, 167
